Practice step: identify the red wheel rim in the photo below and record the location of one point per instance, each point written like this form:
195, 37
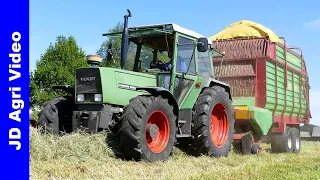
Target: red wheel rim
160, 141
219, 125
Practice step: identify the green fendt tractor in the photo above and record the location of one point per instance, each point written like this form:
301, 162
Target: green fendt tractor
148, 104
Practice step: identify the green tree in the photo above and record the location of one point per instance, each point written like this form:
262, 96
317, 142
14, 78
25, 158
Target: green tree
116, 46
55, 67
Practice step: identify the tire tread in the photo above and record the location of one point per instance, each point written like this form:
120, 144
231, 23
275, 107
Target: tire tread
202, 138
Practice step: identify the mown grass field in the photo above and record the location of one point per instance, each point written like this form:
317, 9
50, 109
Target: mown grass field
82, 156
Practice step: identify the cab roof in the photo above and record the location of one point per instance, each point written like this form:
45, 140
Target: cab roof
166, 27
169, 27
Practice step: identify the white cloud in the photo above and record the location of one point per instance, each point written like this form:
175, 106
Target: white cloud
314, 23
315, 107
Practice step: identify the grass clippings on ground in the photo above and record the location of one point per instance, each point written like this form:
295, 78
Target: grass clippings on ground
82, 156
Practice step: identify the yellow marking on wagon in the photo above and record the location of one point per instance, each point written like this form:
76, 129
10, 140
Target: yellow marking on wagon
242, 108
243, 113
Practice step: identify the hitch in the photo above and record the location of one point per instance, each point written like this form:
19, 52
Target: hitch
245, 143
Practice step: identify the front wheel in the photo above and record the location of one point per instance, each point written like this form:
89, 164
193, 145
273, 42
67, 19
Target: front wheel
147, 129
213, 123
56, 115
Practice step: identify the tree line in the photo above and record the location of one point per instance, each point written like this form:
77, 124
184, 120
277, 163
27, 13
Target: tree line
58, 64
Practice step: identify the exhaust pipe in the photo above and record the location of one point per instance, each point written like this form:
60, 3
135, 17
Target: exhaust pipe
125, 40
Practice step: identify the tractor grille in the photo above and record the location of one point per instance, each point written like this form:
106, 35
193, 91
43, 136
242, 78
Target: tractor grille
88, 80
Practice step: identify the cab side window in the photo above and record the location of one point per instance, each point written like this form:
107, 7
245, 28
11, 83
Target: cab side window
186, 56
204, 65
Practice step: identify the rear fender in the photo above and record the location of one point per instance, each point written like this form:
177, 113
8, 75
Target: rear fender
155, 91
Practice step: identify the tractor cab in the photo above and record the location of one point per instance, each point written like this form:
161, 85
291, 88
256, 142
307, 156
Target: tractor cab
176, 56
157, 48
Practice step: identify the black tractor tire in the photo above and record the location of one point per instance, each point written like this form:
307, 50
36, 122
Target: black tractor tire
56, 115
282, 143
135, 142
296, 140
213, 101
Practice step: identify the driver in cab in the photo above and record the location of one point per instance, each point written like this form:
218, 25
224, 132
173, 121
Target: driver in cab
181, 66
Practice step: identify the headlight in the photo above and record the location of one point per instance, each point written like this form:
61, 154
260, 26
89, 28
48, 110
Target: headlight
80, 97
97, 97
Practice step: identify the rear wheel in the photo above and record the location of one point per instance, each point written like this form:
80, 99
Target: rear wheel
56, 115
282, 143
213, 123
147, 129
296, 140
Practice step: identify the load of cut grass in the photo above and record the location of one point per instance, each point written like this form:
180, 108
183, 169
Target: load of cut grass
83, 156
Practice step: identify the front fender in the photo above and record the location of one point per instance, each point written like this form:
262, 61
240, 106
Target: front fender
209, 82
156, 91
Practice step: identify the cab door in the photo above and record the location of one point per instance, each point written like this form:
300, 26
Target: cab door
185, 70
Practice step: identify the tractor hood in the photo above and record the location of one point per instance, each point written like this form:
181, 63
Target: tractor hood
116, 86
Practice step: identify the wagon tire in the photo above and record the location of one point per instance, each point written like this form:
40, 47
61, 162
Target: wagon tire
255, 149
296, 140
282, 143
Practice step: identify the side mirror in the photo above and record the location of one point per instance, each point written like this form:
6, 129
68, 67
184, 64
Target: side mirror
202, 44
109, 54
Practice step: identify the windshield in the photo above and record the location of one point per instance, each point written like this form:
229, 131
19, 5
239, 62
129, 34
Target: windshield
153, 48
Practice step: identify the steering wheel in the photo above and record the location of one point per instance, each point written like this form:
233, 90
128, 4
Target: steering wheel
155, 66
